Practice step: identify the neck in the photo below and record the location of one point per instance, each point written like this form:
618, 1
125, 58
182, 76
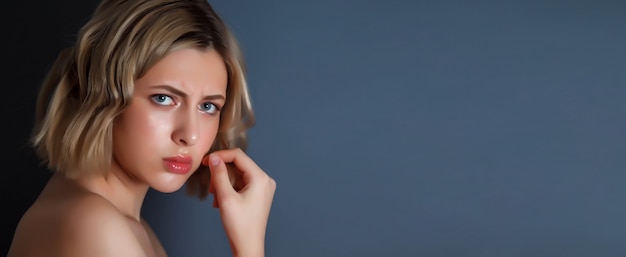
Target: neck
123, 191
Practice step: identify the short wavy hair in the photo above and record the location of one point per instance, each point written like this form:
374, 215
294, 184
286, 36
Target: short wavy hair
92, 81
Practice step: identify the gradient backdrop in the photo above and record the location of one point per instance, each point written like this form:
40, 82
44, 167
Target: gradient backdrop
395, 128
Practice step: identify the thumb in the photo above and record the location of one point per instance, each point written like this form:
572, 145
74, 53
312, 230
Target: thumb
219, 176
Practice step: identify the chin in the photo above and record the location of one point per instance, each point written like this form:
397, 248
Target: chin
167, 190
169, 184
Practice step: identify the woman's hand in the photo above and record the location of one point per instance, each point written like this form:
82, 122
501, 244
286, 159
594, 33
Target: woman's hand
244, 199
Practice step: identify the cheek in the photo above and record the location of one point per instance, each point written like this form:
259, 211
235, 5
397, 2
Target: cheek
157, 124
145, 126
210, 129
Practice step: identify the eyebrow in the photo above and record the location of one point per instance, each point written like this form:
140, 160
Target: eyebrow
177, 92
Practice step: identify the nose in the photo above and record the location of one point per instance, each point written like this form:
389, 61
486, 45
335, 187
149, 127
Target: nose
186, 132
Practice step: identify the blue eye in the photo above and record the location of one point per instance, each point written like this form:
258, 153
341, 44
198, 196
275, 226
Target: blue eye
162, 99
209, 108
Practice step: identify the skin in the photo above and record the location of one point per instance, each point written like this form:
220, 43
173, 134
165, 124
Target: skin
174, 112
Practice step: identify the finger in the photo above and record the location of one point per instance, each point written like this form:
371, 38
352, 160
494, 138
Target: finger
243, 162
219, 177
233, 174
212, 192
211, 187
236, 176
216, 202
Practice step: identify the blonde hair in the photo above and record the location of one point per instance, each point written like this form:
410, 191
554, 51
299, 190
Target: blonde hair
92, 81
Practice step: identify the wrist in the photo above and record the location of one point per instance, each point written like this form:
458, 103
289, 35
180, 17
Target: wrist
248, 250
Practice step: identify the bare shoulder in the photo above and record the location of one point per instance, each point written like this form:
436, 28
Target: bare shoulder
94, 225
86, 225
156, 243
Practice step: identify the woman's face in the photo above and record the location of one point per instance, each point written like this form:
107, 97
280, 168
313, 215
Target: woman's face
172, 120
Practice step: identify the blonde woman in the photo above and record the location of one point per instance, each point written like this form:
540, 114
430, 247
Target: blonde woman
152, 95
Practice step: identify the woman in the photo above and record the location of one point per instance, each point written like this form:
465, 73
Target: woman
152, 95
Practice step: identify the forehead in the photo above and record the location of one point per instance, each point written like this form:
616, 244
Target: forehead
188, 68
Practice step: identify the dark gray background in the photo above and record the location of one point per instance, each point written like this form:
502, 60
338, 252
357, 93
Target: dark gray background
420, 128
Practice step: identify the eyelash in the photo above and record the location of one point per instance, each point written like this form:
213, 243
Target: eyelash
158, 98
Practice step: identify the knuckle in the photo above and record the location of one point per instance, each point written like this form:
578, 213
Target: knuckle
271, 182
226, 201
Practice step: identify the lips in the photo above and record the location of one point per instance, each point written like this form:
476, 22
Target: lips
180, 164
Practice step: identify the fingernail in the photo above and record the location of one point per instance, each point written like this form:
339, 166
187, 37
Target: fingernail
214, 160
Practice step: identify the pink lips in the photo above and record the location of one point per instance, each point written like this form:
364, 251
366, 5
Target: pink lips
180, 164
